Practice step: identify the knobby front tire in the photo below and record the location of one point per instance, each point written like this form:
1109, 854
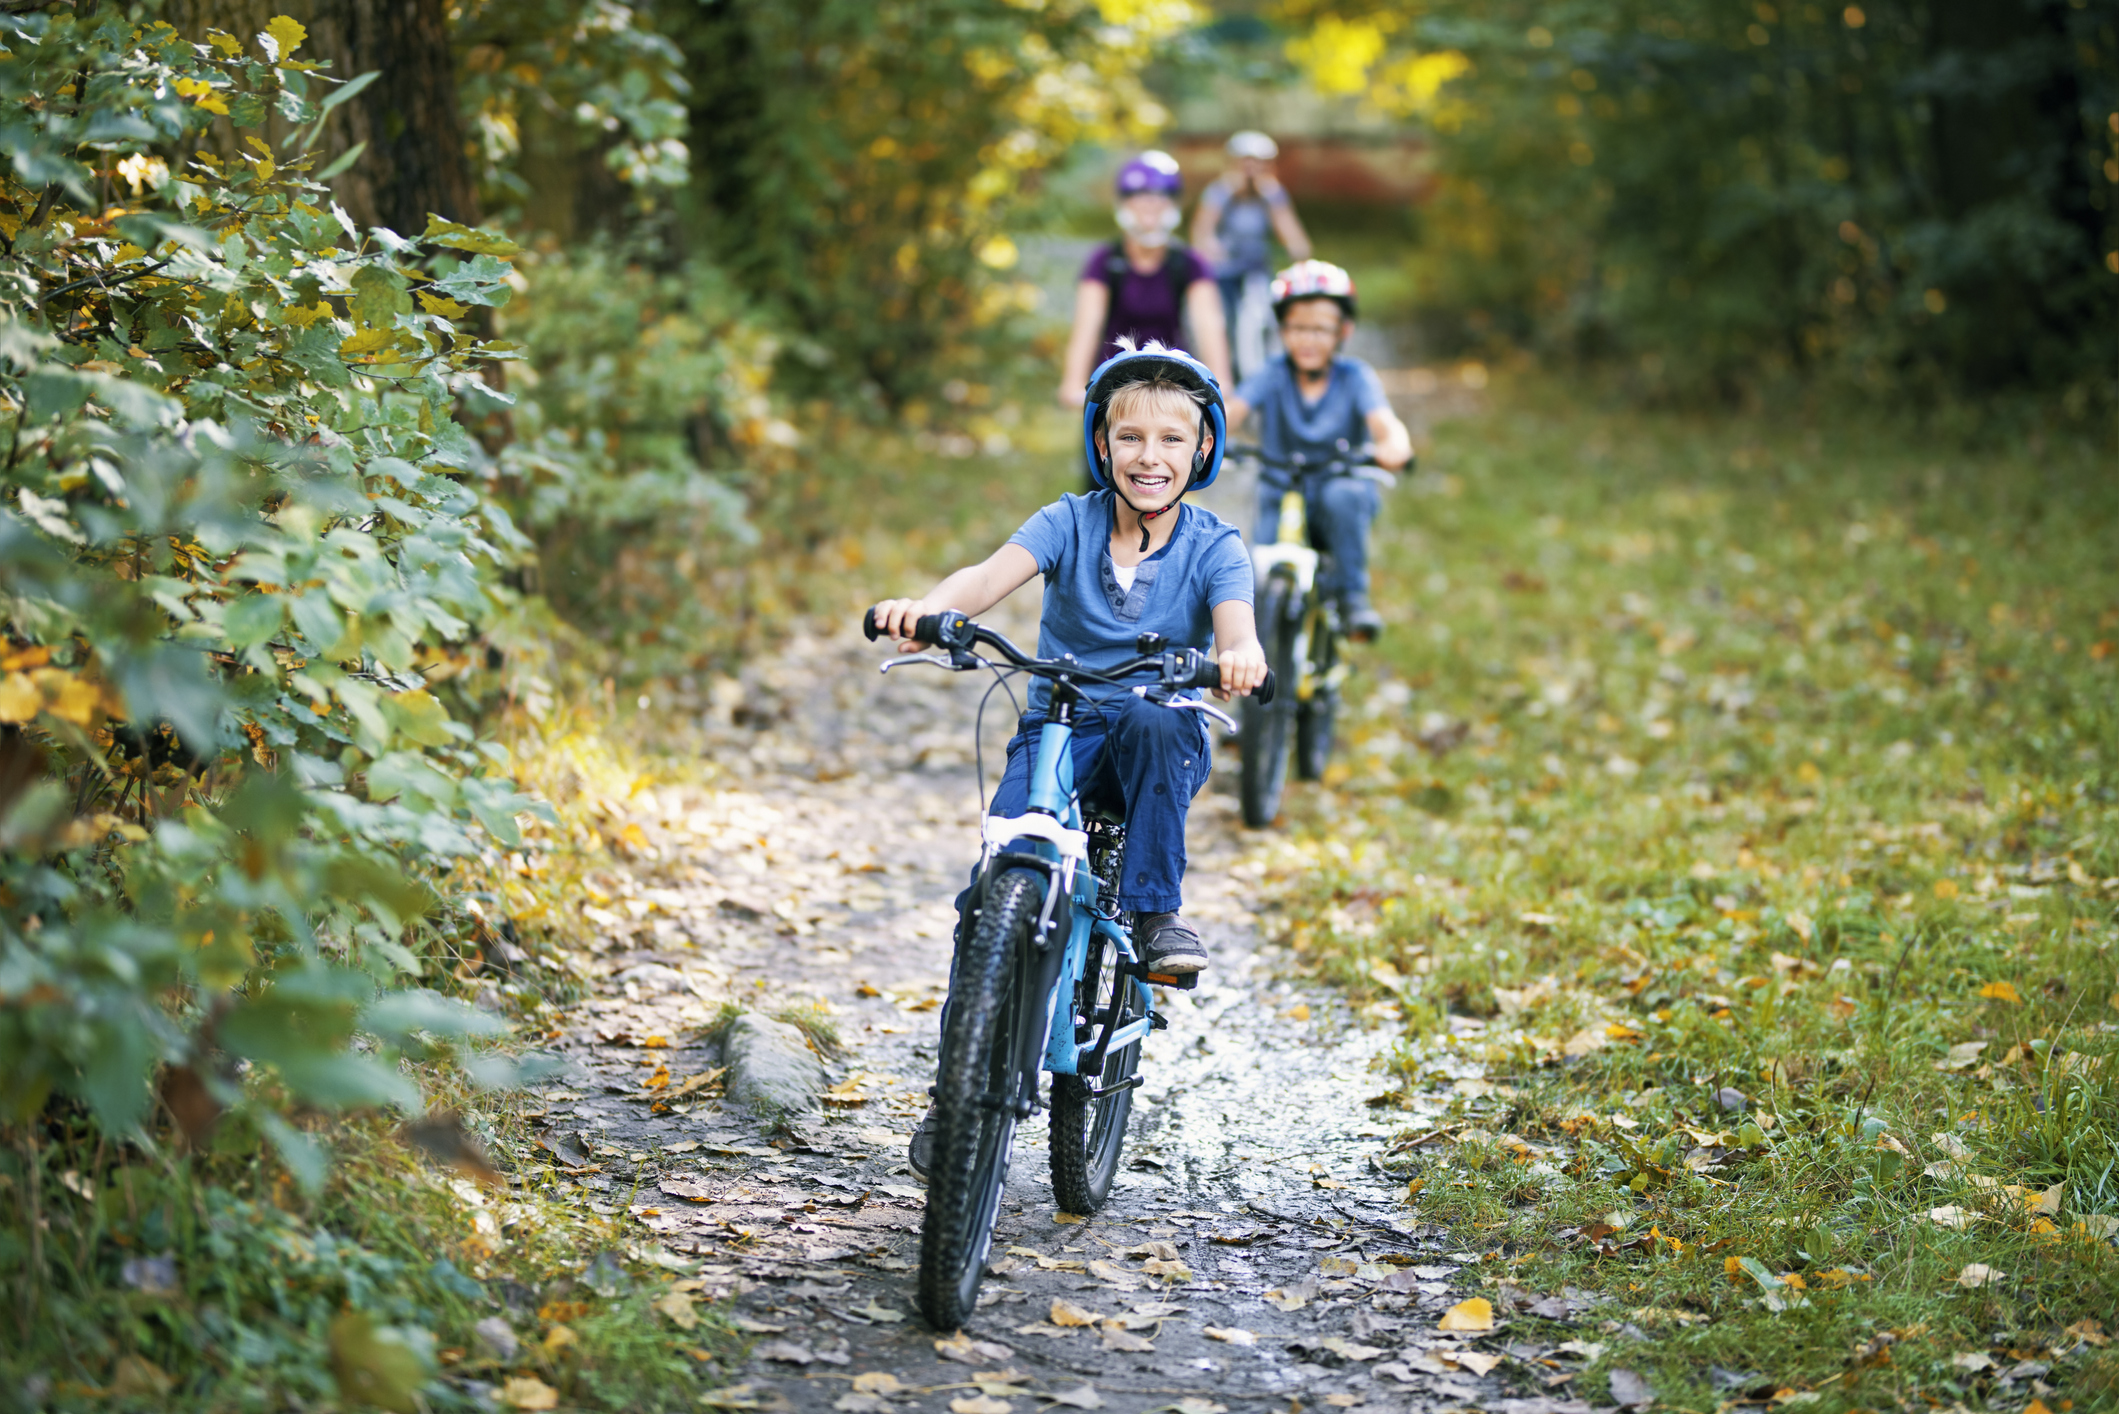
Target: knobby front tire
1262, 732
975, 1087
1088, 1133
1316, 720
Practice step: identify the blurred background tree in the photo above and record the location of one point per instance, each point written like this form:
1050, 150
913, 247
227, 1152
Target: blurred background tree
1913, 195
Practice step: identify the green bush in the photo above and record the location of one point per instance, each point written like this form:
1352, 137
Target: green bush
239, 519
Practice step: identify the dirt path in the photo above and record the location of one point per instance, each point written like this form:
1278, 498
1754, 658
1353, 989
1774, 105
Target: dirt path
822, 871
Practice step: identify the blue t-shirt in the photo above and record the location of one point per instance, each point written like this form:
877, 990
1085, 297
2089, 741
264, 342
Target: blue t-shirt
1288, 424
1174, 590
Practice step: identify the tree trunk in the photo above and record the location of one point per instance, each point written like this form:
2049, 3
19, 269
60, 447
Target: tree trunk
417, 161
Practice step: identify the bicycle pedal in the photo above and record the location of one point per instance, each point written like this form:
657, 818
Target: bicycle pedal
1179, 981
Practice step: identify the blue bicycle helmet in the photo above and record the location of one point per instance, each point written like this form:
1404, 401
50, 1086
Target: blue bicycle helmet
1138, 366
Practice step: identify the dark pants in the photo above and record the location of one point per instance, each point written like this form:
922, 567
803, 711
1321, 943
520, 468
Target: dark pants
1340, 511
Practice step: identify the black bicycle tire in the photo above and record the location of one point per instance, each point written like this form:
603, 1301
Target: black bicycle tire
1317, 720
972, 1133
1262, 732
1089, 1134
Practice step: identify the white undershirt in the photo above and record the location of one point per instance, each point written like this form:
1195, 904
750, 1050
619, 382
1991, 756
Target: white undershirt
1125, 575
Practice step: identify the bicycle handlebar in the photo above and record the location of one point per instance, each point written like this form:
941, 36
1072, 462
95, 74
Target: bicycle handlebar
1180, 669
1349, 465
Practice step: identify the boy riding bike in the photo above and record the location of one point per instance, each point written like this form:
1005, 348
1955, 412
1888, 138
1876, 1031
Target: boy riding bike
1122, 562
1317, 405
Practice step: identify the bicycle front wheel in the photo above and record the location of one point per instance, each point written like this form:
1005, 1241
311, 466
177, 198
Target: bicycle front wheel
974, 1095
1316, 721
1089, 1130
1262, 732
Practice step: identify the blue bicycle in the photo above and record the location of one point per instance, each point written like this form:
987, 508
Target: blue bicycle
1047, 976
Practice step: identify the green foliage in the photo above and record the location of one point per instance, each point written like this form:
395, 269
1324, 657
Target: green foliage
1716, 193
239, 519
546, 83
858, 162
643, 409
1742, 756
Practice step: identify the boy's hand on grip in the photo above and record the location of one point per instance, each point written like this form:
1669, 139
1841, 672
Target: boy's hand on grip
897, 618
1242, 671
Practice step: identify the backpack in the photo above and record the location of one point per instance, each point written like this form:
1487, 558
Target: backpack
1180, 268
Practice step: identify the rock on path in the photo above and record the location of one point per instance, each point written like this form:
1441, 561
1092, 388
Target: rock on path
814, 879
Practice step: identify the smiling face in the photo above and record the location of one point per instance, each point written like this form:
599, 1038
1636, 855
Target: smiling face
1311, 331
1149, 440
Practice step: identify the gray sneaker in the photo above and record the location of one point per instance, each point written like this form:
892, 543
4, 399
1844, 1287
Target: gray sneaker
1168, 946
920, 1152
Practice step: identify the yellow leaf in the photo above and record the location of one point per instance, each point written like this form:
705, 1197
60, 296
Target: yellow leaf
1978, 1274
1233, 1335
287, 34
1946, 888
1801, 926
677, 1305
1298, 1012
1475, 1314
527, 1391
659, 1080
71, 698
227, 43
2000, 992
446, 308
1066, 1313
20, 700
366, 341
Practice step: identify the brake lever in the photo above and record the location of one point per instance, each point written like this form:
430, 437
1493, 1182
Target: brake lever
939, 660
1194, 704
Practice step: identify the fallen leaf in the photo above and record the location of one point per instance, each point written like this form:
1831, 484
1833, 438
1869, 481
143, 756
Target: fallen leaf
1291, 1298
1068, 1219
971, 1352
1951, 1215
1630, 1390
677, 1305
2090, 1331
2097, 1225
1589, 1350
1475, 1314
1168, 1271
1066, 1313
1081, 1398
876, 1311
1194, 1404
1589, 1038
1974, 1360
2000, 992
980, 1404
878, 1382
1474, 1361
1103, 1271
684, 1146
786, 1352
1963, 1056
1801, 926
730, 1397
1979, 1274
2047, 1202
1163, 1250
857, 1403
1233, 1335
1118, 1338
528, 1392
1298, 1012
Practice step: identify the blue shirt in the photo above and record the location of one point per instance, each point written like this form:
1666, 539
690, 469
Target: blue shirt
1174, 590
1289, 424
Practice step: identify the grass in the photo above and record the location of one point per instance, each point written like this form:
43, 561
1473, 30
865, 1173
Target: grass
1767, 760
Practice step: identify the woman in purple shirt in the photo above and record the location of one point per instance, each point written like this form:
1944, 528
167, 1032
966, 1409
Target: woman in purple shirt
1144, 286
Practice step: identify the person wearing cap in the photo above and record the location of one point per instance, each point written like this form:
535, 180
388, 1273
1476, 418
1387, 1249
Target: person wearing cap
1239, 214
1127, 559
1144, 286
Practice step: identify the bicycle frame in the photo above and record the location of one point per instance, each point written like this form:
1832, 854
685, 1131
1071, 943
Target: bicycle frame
1056, 838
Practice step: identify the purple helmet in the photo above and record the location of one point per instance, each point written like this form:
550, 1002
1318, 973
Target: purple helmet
1151, 171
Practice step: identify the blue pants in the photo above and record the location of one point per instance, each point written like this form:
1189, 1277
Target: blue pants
1138, 761
1340, 511
1133, 759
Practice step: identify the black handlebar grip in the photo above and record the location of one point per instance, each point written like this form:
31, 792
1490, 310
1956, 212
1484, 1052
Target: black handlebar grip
928, 629
1209, 676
